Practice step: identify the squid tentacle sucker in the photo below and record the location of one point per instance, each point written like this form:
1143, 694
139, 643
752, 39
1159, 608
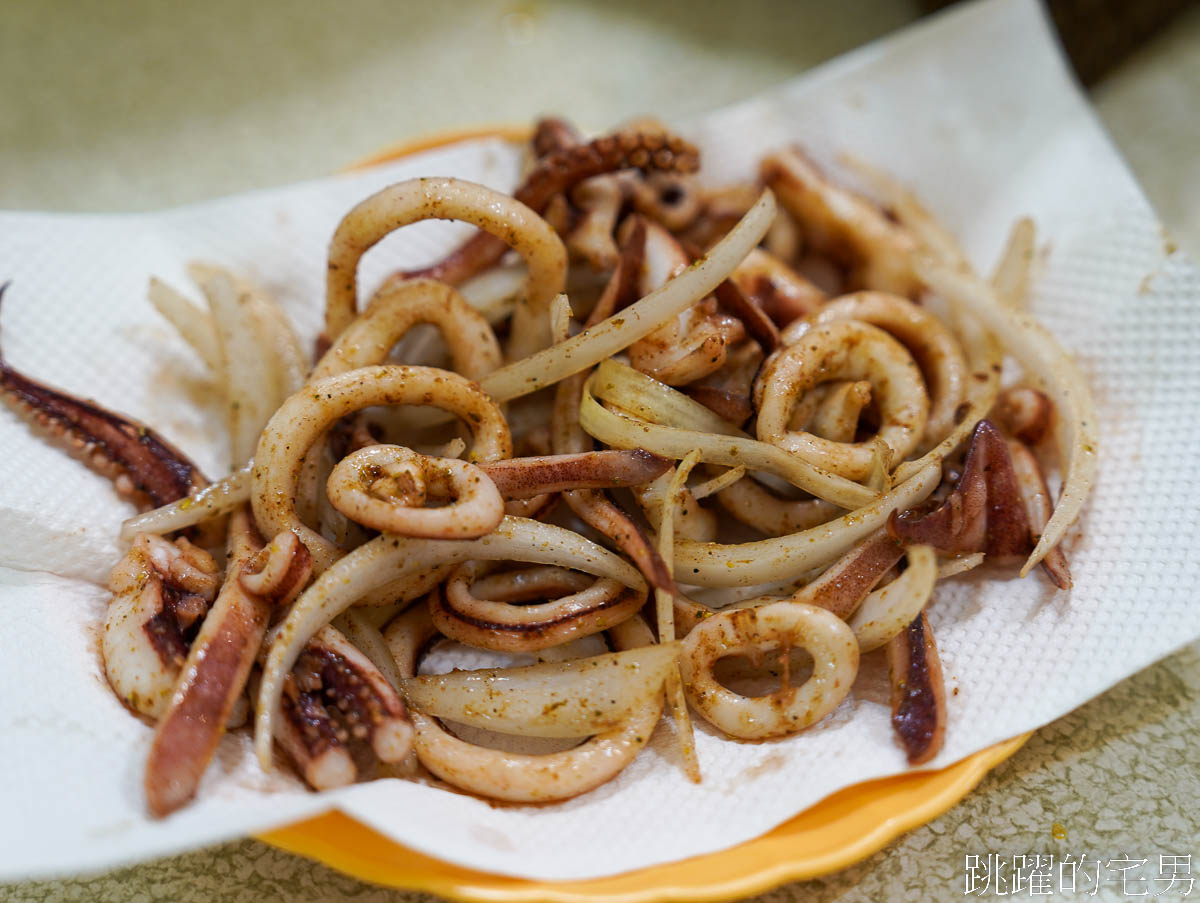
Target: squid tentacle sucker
559, 171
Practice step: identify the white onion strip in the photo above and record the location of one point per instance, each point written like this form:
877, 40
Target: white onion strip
623, 431
638, 320
247, 372
790, 557
387, 559
573, 698
890, 609
213, 500
192, 322
665, 604
1051, 367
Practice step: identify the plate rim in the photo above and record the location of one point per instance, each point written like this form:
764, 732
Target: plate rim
755, 866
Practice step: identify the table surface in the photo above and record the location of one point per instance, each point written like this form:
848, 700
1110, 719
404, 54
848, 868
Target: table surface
140, 105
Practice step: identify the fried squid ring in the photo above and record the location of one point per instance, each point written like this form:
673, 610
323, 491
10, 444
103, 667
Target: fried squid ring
496, 624
756, 506
420, 199
843, 350
384, 486
753, 632
303, 419
510, 776
395, 310
933, 346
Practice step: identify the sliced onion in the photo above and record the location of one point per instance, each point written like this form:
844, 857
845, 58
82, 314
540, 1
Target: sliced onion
191, 321
1046, 362
888, 610
623, 431
665, 604
247, 372
790, 557
647, 398
959, 564
213, 500
575, 698
641, 318
1011, 277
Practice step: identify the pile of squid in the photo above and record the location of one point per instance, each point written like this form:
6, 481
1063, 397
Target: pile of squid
637, 440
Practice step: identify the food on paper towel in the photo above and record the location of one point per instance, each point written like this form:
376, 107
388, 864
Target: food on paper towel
672, 448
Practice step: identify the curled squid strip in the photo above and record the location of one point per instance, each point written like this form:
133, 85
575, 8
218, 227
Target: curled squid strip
756, 506
384, 487
160, 591
393, 311
495, 623
305, 416
918, 691
847, 350
1031, 483
519, 478
836, 417
844, 225
510, 776
420, 199
595, 508
753, 632
557, 172
931, 344
844, 585
1024, 413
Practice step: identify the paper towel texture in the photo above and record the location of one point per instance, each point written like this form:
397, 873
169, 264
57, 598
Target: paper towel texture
975, 110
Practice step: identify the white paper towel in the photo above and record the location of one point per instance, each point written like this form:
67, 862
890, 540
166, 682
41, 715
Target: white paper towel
975, 110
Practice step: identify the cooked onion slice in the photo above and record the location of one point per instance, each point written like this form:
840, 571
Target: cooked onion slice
213, 500
791, 557
624, 431
888, 610
638, 320
575, 698
1045, 361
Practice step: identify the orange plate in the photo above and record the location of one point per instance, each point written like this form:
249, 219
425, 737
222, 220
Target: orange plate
835, 833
